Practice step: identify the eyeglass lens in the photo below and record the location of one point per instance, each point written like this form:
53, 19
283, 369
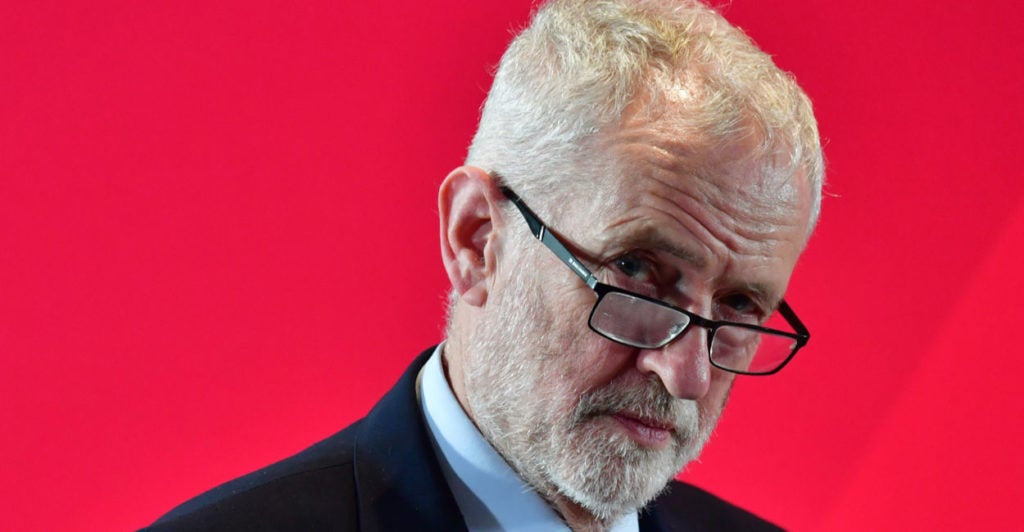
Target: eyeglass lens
641, 323
638, 322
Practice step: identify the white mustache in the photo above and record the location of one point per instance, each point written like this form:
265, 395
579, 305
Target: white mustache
646, 401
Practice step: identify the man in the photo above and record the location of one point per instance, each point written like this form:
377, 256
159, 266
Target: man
672, 176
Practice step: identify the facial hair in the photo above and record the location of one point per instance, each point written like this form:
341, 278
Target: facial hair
519, 381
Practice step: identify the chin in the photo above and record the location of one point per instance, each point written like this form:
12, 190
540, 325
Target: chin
607, 473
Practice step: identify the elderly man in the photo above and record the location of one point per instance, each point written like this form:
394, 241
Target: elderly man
619, 241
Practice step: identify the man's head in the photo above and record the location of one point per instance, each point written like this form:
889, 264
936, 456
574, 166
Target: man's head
675, 161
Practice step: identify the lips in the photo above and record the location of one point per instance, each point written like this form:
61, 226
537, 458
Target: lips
646, 431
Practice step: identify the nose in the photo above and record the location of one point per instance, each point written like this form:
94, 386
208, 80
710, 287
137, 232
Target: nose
683, 366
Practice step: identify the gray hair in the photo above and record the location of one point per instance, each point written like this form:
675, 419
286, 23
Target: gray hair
581, 63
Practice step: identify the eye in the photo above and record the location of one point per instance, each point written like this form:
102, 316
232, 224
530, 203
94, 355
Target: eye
634, 267
740, 307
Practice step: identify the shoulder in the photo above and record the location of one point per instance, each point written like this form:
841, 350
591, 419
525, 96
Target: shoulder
317, 489
309, 490
686, 507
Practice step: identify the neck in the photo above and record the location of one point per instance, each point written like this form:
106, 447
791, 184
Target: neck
451, 363
576, 517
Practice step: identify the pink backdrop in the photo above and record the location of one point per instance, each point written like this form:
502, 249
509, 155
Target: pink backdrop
218, 245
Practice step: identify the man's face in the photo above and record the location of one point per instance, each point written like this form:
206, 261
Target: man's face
597, 423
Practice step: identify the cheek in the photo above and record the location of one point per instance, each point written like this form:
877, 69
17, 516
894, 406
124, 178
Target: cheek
711, 405
560, 318
594, 363
572, 358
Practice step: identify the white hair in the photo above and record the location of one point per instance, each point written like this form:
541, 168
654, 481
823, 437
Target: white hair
581, 63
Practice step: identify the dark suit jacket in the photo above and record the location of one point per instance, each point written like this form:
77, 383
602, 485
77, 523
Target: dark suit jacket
381, 473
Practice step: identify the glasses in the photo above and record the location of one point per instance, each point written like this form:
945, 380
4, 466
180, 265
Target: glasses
639, 321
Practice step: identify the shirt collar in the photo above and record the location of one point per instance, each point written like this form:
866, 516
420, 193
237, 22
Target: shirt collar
489, 493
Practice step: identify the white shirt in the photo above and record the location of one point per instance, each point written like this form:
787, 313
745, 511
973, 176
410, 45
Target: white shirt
489, 493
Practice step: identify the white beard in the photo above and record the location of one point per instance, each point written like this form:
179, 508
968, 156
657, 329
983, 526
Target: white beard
518, 384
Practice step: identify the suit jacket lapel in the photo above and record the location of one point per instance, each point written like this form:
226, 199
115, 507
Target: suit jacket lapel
399, 484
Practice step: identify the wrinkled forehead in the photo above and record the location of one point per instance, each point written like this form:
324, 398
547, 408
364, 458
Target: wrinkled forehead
737, 167
732, 149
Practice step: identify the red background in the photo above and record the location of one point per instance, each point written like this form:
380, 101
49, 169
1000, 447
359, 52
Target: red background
218, 245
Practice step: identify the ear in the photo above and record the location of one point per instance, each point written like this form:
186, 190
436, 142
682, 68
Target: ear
470, 212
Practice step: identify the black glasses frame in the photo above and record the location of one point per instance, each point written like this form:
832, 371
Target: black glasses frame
542, 233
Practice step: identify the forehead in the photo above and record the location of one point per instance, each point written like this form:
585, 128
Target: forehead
716, 204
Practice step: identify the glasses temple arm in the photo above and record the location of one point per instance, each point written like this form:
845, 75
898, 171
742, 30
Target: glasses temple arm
552, 242
794, 321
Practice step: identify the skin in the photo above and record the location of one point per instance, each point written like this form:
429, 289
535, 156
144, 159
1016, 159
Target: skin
689, 221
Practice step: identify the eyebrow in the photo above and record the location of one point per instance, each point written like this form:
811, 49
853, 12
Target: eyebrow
651, 237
